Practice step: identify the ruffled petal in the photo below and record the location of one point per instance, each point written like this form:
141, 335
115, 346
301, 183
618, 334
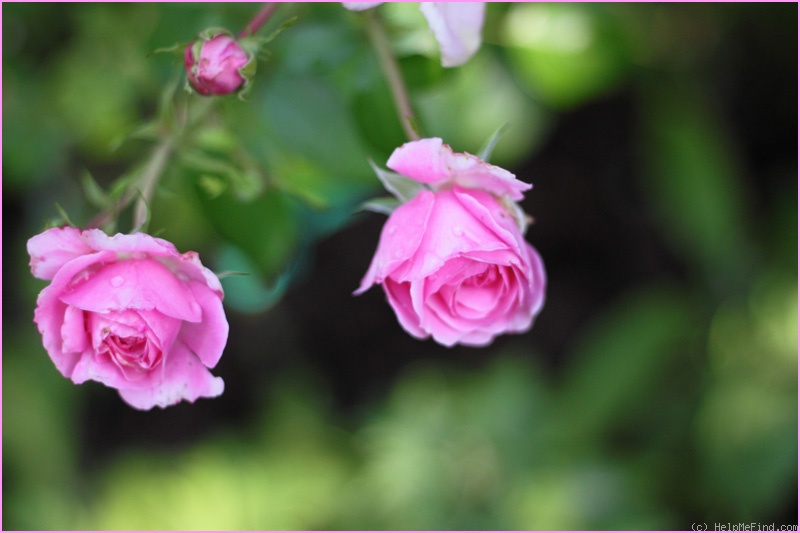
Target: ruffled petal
457, 26
136, 245
206, 339
493, 216
185, 378
140, 284
54, 248
431, 162
400, 238
470, 172
73, 331
425, 161
400, 301
50, 311
453, 231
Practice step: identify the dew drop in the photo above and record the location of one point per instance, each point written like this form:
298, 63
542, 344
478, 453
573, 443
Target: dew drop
117, 281
392, 230
398, 253
457, 231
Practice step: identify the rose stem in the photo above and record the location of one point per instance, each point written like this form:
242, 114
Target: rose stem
155, 166
391, 70
261, 17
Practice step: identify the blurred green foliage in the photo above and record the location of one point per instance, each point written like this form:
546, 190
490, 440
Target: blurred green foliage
678, 400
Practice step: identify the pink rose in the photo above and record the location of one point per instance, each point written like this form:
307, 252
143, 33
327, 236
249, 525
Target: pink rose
214, 66
130, 312
452, 260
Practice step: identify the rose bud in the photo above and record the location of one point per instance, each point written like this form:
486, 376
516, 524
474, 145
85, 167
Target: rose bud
216, 65
131, 312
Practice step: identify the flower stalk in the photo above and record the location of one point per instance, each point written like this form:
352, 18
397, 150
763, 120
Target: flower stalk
149, 179
391, 69
261, 17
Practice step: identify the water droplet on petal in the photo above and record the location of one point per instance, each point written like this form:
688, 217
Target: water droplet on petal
457, 231
392, 230
398, 253
117, 281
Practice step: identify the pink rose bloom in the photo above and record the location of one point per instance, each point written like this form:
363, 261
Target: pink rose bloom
130, 312
213, 66
452, 261
456, 26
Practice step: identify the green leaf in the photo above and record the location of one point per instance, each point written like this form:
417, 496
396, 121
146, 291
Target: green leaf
245, 292
694, 182
266, 228
620, 360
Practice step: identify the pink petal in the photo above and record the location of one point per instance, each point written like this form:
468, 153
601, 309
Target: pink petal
185, 378
206, 339
400, 239
400, 301
494, 217
50, 311
99, 367
360, 6
163, 329
53, 248
73, 331
538, 283
140, 284
161, 332
472, 173
453, 231
425, 161
134, 245
431, 162
188, 266
457, 26
49, 318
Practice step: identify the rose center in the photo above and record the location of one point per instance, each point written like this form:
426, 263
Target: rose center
485, 278
133, 352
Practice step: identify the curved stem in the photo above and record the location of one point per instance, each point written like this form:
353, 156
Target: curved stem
261, 17
377, 35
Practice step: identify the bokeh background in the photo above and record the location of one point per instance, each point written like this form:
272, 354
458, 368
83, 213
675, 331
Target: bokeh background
658, 387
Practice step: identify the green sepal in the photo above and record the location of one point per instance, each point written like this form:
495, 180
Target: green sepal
209, 33
488, 147
231, 273
247, 72
94, 194
178, 49
401, 187
64, 216
384, 206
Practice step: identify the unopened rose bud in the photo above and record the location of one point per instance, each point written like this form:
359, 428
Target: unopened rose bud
214, 65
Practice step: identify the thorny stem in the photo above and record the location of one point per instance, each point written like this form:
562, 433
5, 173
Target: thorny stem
377, 35
261, 17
